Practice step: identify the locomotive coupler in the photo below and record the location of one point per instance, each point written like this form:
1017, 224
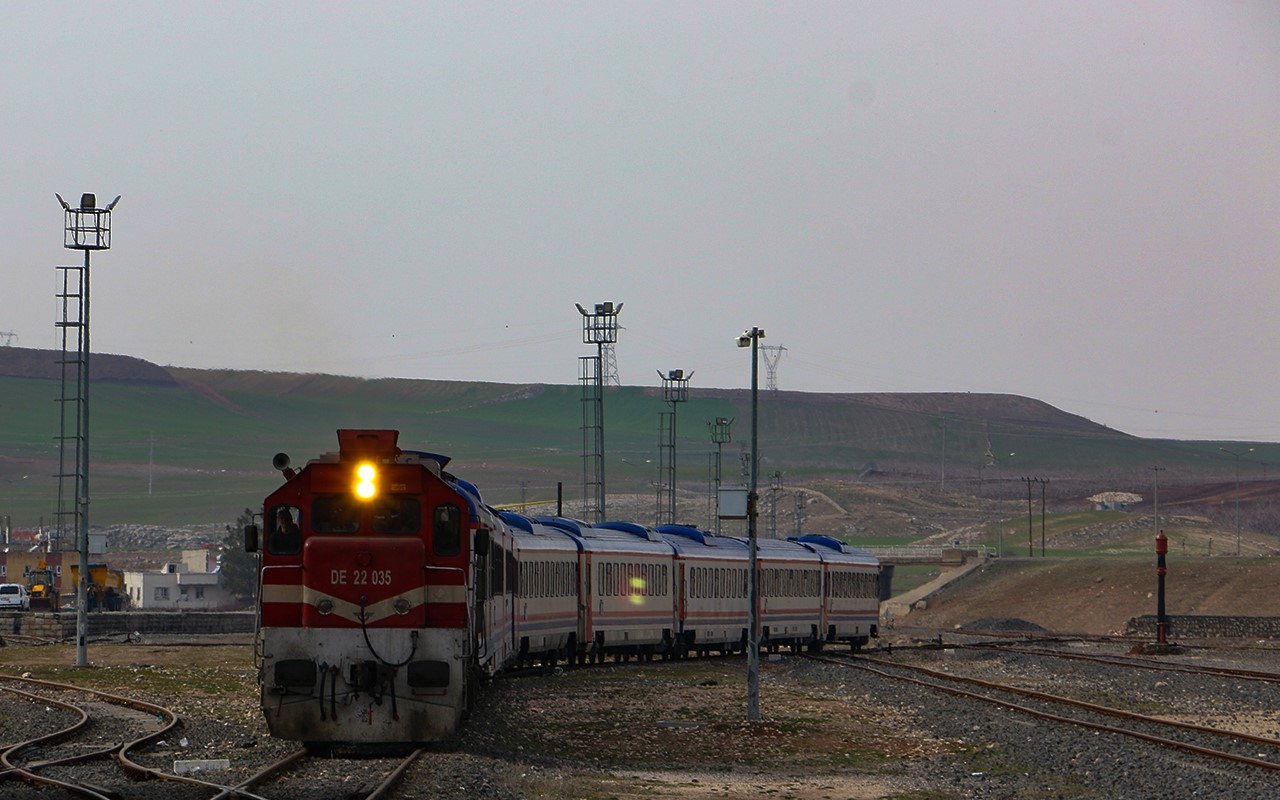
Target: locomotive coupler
370, 677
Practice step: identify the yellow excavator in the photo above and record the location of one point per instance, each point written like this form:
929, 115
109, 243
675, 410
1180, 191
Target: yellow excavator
41, 588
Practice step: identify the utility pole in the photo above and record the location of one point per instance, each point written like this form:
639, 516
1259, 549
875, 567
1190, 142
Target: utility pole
775, 491
800, 509
752, 339
1044, 484
1237, 458
1030, 530
1030, 544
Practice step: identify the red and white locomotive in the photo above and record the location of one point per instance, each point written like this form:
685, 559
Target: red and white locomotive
389, 591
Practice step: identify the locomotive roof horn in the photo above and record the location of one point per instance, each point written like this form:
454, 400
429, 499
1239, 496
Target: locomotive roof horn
281, 462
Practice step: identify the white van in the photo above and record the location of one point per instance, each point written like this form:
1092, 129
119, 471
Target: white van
14, 595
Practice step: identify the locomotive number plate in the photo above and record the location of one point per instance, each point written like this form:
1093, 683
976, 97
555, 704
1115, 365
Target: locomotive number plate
360, 577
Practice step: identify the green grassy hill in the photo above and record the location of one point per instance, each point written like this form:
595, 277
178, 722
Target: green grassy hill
183, 446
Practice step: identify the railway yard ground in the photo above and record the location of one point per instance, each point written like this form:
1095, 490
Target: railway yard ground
678, 729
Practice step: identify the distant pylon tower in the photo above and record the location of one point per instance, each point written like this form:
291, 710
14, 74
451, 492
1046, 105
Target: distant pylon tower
775, 494
772, 355
675, 390
599, 327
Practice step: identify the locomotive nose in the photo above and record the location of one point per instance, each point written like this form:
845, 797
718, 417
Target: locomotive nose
382, 585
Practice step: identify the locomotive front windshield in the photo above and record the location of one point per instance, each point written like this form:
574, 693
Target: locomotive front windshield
388, 513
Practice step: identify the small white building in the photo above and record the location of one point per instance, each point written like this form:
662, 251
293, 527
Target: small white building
187, 585
1115, 501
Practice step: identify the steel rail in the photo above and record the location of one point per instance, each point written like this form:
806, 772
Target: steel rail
864, 664
25, 773
241, 789
395, 775
1138, 663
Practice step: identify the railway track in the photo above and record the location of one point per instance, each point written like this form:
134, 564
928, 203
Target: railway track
1136, 662
92, 744
299, 773
1238, 747
83, 746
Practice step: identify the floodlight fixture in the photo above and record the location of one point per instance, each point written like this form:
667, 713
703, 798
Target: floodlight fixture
87, 227
748, 337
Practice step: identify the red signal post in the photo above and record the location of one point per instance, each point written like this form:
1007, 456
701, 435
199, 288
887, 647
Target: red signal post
1162, 623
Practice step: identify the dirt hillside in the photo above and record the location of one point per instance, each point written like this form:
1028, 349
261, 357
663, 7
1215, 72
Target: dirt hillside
1099, 595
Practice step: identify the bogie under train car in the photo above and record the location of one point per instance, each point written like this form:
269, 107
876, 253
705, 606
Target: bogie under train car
388, 591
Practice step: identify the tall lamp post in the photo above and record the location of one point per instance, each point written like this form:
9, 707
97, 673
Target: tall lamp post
1237, 457
752, 339
86, 228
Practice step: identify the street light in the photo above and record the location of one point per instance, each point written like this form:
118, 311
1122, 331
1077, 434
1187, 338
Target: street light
752, 339
1237, 457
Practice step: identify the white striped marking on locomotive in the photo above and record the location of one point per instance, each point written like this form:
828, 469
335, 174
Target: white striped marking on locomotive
383, 609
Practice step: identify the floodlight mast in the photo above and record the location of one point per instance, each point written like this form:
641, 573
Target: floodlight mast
675, 390
721, 432
599, 327
752, 339
85, 228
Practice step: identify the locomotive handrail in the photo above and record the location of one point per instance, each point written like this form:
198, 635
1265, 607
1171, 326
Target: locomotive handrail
258, 644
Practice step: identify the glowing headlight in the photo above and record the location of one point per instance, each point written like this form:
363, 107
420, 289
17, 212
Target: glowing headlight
365, 487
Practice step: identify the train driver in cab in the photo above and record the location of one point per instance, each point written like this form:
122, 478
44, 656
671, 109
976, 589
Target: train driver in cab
286, 537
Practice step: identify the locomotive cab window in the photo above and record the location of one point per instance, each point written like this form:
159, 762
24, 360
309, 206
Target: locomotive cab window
335, 514
396, 514
446, 530
284, 531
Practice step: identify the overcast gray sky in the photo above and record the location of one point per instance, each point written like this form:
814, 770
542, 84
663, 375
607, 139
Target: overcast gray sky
1076, 202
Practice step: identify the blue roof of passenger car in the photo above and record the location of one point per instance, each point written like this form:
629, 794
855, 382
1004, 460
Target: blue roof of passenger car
631, 528
813, 542
517, 520
573, 526
825, 541
442, 460
540, 536
689, 532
